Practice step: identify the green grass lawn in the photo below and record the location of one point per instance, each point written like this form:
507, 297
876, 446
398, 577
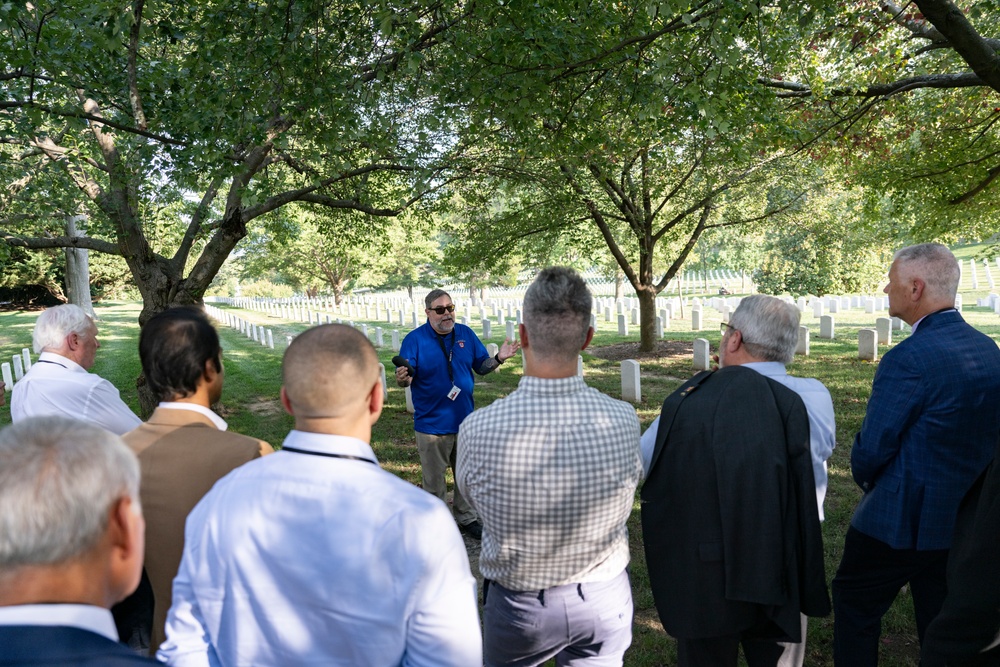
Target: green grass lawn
250, 404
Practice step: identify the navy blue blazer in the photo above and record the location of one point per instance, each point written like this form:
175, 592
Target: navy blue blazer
932, 423
55, 645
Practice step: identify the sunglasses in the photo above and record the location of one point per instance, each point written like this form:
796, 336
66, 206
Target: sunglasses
441, 310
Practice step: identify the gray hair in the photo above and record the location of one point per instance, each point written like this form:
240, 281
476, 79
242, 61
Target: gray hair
54, 324
59, 478
433, 296
770, 327
935, 265
557, 313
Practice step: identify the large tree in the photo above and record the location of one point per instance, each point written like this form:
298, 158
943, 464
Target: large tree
227, 112
642, 121
912, 88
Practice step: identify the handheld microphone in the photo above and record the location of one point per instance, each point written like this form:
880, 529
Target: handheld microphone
398, 361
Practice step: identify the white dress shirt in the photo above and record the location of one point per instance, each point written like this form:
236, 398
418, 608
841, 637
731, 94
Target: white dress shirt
822, 426
219, 422
322, 558
83, 616
55, 385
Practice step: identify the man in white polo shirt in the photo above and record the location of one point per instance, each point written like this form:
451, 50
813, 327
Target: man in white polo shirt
58, 383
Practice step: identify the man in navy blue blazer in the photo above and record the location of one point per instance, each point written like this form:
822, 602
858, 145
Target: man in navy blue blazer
71, 543
932, 423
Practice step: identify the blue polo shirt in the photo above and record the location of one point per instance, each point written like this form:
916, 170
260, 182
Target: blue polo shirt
433, 411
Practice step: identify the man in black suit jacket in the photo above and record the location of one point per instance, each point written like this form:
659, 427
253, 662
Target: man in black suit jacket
729, 519
71, 543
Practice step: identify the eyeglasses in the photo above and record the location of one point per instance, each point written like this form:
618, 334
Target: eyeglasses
441, 310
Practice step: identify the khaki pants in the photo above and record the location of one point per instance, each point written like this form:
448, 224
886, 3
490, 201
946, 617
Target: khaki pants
437, 454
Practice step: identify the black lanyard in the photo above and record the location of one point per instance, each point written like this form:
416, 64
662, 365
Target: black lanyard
46, 361
448, 355
332, 456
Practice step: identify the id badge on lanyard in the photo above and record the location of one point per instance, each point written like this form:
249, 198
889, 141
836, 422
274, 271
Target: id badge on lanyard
454, 391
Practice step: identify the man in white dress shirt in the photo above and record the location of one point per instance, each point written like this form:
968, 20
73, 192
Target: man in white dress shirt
71, 543
762, 334
58, 383
315, 555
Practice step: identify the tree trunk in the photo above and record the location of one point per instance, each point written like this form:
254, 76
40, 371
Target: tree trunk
619, 285
78, 269
409, 291
647, 318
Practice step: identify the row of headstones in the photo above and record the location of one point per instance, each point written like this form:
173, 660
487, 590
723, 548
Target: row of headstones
254, 332
975, 276
315, 318
312, 317
868, 342
992, 302
21, 364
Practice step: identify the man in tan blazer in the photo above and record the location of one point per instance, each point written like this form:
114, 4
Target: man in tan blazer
184, 448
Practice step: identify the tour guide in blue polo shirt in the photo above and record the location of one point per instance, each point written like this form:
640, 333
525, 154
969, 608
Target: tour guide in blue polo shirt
443, 355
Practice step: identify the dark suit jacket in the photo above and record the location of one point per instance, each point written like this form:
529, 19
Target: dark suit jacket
932, 422
967, 631
55, 646
182, 455
729, 519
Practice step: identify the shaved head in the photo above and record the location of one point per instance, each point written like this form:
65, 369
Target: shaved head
329, 371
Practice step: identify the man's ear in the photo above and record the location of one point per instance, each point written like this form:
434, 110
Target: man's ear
590, 337
73, 341
285, 403
210, 370
733, 340
376, 400
126, 534
522, 333
917, 289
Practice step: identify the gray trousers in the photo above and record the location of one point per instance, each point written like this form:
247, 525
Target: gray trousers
577, 624
437, 454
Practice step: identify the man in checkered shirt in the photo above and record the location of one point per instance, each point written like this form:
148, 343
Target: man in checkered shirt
552, 471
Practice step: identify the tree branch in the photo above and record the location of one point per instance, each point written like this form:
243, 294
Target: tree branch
133, 76
967, 42
38, 243
18, 104
963, 80
916, 28
197, 218
688, 247
982, 185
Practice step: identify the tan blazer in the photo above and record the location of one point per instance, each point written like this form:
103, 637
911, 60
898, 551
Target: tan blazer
182, 455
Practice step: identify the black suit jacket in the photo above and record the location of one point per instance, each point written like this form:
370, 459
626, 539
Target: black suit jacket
57, 645
967, 631
729, 519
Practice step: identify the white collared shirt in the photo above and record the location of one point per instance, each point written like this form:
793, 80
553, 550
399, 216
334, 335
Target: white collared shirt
55, 385
84, 616
322, 557
219, 422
